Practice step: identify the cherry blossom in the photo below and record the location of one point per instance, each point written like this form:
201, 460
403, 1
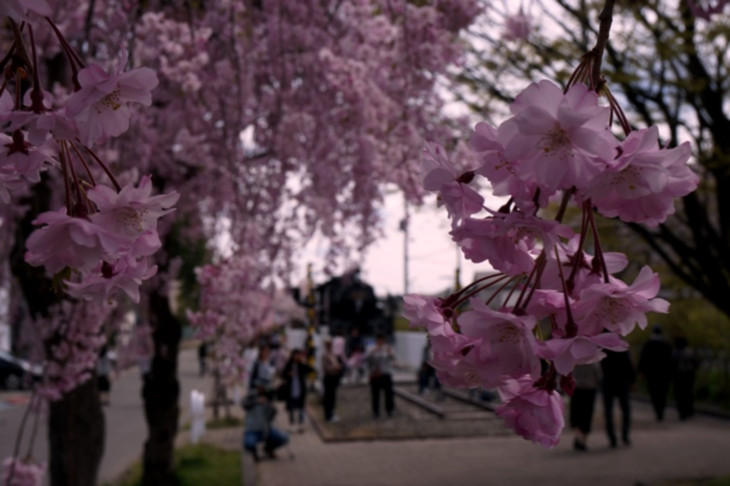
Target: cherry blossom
562, 140
100, 108
455, 361
234, 310
129, 217
64, 241
454, 192
427, 314
20, 159
72, 334
548, 299
641, 185
38, 117
340, 115
505, 345
503, 173
565, 353
619, 307
510, 242
517, 26
125, 274
534, 413
18, 472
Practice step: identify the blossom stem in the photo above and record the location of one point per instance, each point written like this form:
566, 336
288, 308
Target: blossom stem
597, 244
536, 273
83, 162
37, 94
105, 168
478, 289
81, 208
616, 108
604, 28
564, 205
580, 73
64, 169
469, 288
73, 58
576, 258
571, 330
502, 287
20, 49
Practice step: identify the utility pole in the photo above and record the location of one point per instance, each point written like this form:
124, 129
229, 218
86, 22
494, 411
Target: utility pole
404, 228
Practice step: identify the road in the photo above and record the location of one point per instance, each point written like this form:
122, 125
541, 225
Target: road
125, 425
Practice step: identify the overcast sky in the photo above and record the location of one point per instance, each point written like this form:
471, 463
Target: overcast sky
433, 257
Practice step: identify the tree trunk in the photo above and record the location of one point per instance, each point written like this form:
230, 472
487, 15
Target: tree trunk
76, 437
76, 421
161, 393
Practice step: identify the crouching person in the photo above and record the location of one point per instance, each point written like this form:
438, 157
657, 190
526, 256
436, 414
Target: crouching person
258, 428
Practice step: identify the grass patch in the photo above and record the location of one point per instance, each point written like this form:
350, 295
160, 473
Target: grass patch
223, 423
725, 481
219, 423
196, 465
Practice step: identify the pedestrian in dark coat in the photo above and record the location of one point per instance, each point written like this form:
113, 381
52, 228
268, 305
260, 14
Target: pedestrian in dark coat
294, 375
380, 359
655, 365
582, 403
332, 368
618, 377
683, 373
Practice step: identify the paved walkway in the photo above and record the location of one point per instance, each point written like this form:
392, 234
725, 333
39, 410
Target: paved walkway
659, 453
671, 451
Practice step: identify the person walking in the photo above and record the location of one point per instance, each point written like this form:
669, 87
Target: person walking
294, 376
332, 368
427, 378
203, 357
263, 371
582, 403
655, 365
354, 352
618, 377
104, 369
684, 366
380, 360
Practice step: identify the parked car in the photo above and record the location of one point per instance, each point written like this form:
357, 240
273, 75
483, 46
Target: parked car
16, 373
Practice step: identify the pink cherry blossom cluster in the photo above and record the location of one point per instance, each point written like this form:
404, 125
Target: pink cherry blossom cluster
100, 241
110, 247
328, 120
517, 26
556, 300
22, 472
234, 309
73, 335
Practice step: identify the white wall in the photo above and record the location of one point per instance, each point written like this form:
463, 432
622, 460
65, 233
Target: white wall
409, 348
